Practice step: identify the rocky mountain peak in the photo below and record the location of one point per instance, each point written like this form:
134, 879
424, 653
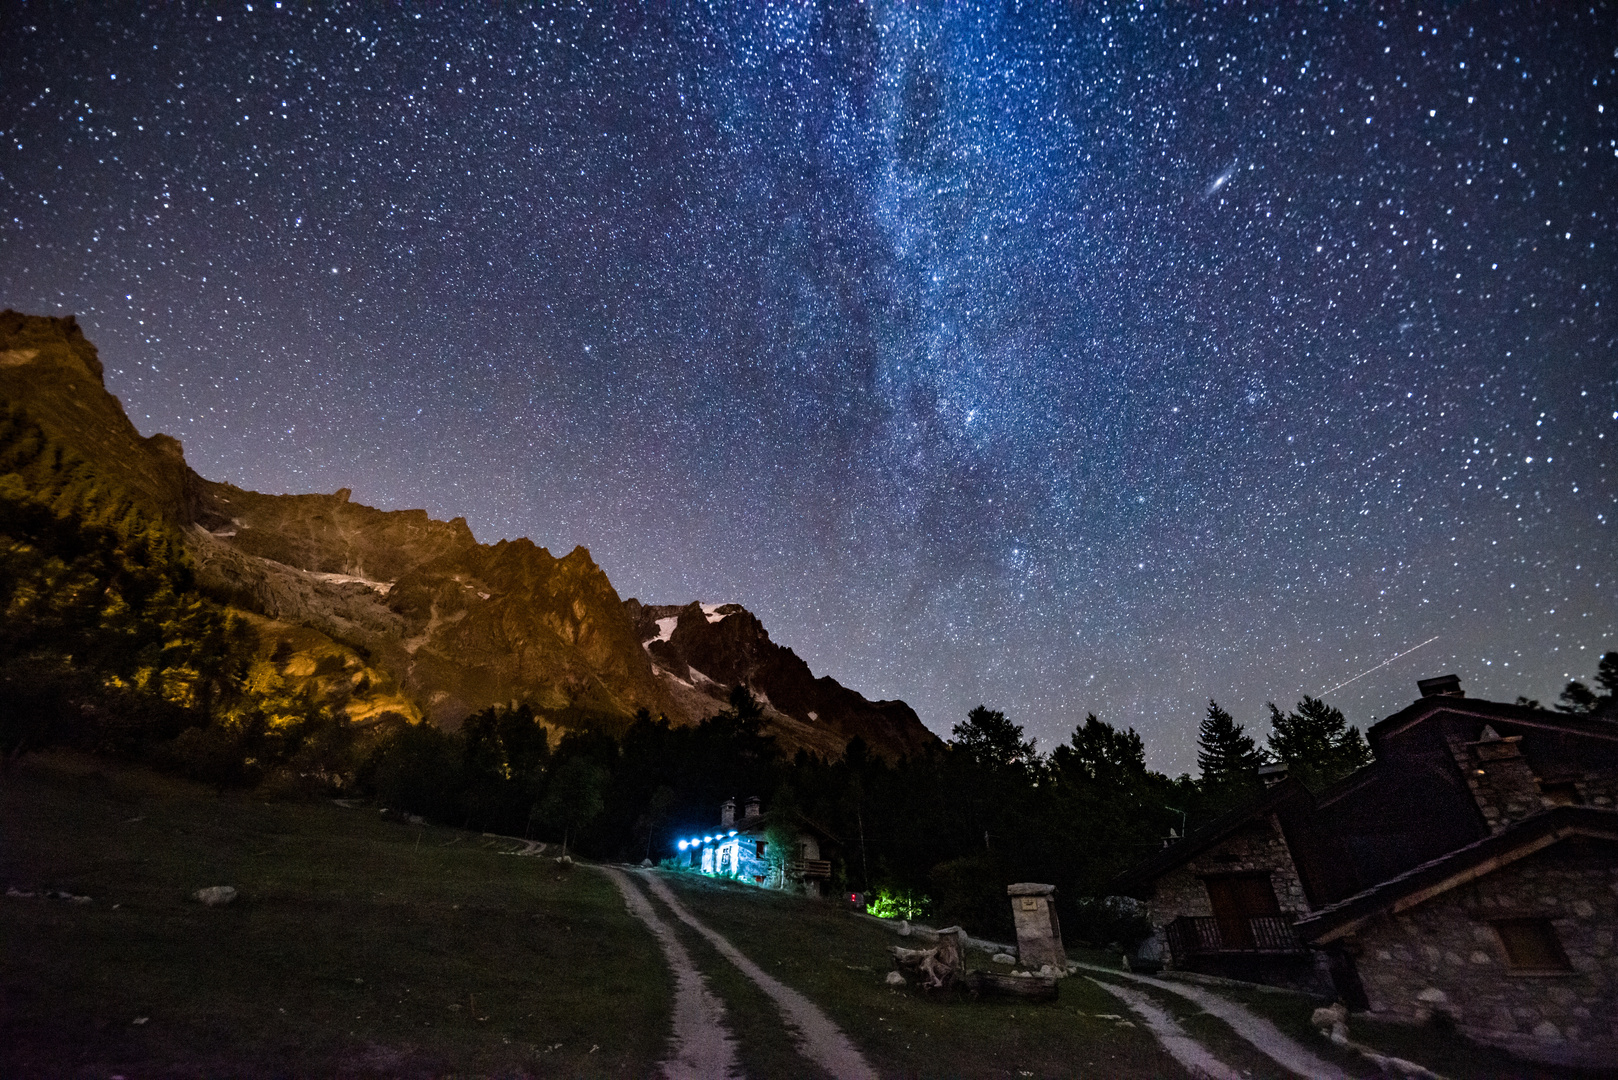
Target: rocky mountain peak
451, 625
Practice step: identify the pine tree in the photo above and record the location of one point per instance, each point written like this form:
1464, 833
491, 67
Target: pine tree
1226, 754
989, 739
1317, 743
1581, 700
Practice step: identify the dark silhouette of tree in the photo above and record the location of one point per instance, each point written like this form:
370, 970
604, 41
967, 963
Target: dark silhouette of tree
1226, 754
1580, 700
573, 796
990, 740
1317, 743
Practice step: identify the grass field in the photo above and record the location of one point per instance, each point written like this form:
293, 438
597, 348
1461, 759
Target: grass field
357, 948
360, 947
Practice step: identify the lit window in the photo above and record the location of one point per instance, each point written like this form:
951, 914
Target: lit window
1531, 945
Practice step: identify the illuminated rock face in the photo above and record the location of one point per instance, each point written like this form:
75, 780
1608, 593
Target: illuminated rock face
443, 624
702, 650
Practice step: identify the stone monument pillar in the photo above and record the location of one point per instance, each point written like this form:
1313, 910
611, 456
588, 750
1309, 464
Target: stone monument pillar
1039, 935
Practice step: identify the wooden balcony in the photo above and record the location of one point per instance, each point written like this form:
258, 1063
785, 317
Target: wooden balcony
1203, 936
810, 868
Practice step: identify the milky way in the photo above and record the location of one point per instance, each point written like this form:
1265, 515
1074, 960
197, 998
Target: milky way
1057, 359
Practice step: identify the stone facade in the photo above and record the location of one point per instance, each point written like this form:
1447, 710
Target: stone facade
1446, 955
1259, 846
1500, 778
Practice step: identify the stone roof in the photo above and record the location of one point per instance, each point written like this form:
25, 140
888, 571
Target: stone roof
1458, 867
1199, 840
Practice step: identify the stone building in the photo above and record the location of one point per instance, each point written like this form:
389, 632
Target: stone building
1511, 937
776, 850
1337, 892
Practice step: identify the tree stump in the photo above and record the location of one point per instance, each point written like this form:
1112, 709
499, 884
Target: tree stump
934, 969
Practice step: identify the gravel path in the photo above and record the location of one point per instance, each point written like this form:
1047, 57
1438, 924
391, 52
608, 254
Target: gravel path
702, 1046
1192, 1055
818, 1038
1265, 1036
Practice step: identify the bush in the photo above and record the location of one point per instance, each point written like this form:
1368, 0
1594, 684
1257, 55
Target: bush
971, 891
1104, 920
419, 772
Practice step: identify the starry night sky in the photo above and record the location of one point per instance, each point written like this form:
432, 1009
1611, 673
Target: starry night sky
1058, 358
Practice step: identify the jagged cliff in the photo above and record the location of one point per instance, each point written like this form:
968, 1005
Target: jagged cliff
431, 623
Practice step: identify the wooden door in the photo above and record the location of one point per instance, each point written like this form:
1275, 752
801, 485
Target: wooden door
1237, 898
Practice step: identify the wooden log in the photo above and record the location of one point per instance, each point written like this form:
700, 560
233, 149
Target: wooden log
1033, 987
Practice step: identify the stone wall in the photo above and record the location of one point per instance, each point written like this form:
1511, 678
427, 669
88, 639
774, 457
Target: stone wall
1444, 955
1259, 846
1499, 776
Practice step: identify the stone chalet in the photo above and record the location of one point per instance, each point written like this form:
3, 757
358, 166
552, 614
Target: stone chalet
1470, 870
776, 850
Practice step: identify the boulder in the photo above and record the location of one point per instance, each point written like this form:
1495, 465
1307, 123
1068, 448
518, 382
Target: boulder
895, 979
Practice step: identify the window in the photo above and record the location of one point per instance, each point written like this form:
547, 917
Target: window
758, 848
1564, 793
1531, 945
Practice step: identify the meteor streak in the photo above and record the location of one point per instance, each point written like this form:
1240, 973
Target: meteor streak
1383, 664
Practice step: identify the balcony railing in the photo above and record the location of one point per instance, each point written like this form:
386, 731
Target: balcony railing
1200, 936
810, 868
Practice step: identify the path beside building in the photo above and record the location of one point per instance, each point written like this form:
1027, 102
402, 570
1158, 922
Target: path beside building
703, 1046
1265, 1036
1192, 1055
818, 1039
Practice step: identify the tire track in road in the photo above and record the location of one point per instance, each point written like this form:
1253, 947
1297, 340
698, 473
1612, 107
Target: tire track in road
1192, 1055
1268, 1039
818, 1039
703, 1047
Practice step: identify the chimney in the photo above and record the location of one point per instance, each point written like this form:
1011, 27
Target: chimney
1272, 774
727, 812
752, 807
1442, 686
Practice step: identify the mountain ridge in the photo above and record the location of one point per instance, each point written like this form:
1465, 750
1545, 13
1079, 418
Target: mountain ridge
448, 625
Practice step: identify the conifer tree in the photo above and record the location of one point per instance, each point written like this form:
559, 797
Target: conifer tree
1317, 743
1580, 700
1226, 754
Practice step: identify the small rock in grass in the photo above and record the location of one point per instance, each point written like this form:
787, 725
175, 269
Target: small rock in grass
215, 895
1003, 958
1324, 1019
895, 979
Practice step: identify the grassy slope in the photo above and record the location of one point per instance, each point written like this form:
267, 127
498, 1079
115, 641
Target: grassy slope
839, 963
357, 948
